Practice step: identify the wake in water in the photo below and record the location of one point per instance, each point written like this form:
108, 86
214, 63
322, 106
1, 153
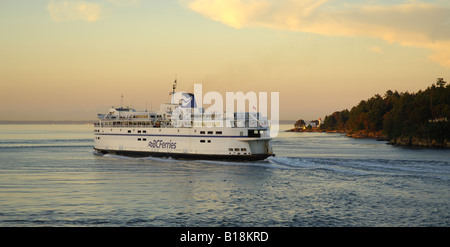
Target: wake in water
349, 167
355, 167
368, 167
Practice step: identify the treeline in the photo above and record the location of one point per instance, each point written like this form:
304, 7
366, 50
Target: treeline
421, 115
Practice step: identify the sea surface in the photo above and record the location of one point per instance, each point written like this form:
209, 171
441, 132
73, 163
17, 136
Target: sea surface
51, 176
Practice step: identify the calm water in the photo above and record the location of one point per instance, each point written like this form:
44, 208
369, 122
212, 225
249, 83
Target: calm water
50, 176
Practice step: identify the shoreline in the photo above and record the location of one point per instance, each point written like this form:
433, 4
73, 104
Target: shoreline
379, 136
355, 134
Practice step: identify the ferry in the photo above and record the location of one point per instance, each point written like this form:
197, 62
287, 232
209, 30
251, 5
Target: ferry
181, 130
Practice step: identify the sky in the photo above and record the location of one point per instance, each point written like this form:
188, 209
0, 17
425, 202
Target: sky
72, 59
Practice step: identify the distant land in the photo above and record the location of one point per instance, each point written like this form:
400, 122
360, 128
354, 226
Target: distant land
409, 119
46, 122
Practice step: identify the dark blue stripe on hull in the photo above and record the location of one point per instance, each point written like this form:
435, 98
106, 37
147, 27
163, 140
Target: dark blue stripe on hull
202, 136
251, 157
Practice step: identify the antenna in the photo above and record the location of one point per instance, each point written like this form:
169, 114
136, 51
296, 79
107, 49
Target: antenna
174, 86
121, 104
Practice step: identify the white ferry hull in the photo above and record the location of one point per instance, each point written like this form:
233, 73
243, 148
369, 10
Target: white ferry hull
184, 143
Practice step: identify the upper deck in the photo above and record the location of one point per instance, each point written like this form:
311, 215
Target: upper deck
129, 117
182, 112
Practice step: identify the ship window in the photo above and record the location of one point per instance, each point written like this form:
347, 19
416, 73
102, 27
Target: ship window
139, 131
202, 141
129, 131
218, 132
202, 132
139, 139
236, 149
253, 133
145, 139
230, 149
144, 131
243, 149
209, 141
210, 132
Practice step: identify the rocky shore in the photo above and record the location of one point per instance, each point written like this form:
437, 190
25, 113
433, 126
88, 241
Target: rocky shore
355, 134
306, 130
419, 142
378, 135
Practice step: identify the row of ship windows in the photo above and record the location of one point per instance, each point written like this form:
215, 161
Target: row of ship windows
210, 132
129, 131
144, 131
244, 150
201, 132
139, 139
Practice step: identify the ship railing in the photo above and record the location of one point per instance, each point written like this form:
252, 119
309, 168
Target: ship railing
206, 120
170, 125
114, 124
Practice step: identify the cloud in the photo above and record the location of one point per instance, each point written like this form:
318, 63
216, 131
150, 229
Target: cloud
73, 10
280, 14
125, 2
376, 49
412, 24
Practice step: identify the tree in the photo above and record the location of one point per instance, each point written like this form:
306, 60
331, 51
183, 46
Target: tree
299, 124
440, 82
424, 114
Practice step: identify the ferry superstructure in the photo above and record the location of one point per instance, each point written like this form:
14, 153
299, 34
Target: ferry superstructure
125, 131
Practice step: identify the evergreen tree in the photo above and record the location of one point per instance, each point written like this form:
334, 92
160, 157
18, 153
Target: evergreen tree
424, 114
